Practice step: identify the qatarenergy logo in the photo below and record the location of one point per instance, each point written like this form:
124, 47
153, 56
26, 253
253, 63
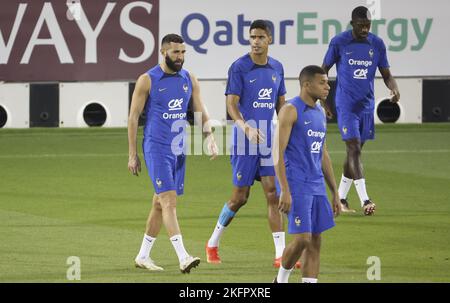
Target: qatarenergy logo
399, 34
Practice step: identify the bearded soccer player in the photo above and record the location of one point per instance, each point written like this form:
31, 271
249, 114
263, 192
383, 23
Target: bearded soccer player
163, 93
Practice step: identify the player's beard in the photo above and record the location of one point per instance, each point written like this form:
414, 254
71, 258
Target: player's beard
176, 66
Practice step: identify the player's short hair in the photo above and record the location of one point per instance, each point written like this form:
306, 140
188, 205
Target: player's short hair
171, 38
261, 24
309, 72
361, 12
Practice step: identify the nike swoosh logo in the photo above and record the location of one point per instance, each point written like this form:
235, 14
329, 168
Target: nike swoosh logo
307, 122
162, 89
251, 81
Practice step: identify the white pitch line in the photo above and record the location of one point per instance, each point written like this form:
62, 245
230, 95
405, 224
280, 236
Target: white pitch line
91, 155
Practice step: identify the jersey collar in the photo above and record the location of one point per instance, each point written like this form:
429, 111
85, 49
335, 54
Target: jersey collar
162, 74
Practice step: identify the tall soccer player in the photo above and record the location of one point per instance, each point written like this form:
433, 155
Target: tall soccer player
302, 166
255, 89
357, 55
163, 93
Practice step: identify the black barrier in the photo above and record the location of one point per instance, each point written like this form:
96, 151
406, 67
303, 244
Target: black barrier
436, 101
44, 105
94, 114
3, 116
388, 112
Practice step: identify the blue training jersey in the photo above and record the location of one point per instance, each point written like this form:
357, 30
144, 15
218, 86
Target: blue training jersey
303, 154
166, 111
258, 87
356, 65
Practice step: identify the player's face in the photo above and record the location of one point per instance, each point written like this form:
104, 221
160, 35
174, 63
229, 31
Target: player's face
259, 41
361, 27
174, 56
319, 88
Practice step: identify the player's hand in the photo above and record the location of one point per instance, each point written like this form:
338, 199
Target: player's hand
328, 112
285, 202
254, 135
134, 165
395, 96
336, 205
212, 146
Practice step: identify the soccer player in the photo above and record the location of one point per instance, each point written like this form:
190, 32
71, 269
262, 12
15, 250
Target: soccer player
255, 89
301, 164
163, 93
357, 55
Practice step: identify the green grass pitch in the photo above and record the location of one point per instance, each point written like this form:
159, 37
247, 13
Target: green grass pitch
67, 192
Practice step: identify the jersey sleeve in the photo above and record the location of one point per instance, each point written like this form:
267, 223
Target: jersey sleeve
383, 62
332, 54
234, 82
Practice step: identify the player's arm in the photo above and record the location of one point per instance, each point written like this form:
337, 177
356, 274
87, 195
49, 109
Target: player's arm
326, 68
327, 169
328, 111
286, 119
280, 102
331, 57
138, 100
323, 102
253, 134
390, 83
205, 122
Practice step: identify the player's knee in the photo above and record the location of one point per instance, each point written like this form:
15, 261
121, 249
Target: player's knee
239, 200
302, 240
354, 150
271, 196
156, 204
315, 243
167, 202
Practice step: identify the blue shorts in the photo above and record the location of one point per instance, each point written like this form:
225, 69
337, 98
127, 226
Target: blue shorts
310, 214
246, 169
353, 125
166, 171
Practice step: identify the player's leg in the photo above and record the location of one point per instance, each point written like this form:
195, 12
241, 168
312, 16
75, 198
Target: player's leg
291, 254
353, 148
367, 130
322, 220
344, 187
244, 170
300, 226
274, 215
168, 202
154, 222
360, 132
239, 197
275, 218
157, 167
349, 128
311, 257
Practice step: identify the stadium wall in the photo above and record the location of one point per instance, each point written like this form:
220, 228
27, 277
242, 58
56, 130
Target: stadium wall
73, 63
84, 104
